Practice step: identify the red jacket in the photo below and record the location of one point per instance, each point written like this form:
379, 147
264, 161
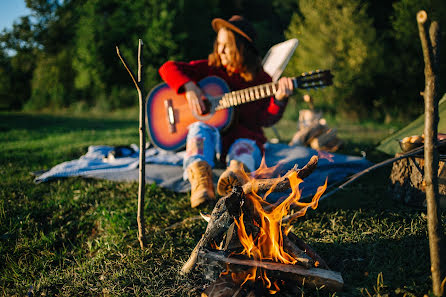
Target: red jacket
251, 116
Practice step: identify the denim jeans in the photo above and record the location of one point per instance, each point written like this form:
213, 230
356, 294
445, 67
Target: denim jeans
204, 143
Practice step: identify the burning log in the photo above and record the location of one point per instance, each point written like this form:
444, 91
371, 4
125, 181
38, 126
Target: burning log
301, 257
253, 242
220, 220
308, 250
316, 277
280, 184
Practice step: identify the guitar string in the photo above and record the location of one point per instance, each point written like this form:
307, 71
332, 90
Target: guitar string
235, 98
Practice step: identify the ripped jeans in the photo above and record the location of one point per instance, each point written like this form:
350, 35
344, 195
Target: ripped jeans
204, 143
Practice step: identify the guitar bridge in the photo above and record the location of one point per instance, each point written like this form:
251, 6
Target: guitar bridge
170, 115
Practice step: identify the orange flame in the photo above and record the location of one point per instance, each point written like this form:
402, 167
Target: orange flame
268, 243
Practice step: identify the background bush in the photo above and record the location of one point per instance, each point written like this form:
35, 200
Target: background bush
63, 55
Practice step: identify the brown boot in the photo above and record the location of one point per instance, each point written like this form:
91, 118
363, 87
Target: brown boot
200, 178
232, 176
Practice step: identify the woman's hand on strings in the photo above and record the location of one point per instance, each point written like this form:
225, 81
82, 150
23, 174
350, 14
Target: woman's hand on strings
285, 88
195, 97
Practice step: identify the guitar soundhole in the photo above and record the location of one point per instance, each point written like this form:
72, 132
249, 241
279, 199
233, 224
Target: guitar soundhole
208, 106
208, 112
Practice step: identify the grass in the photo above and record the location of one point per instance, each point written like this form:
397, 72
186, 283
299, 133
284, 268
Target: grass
78, 237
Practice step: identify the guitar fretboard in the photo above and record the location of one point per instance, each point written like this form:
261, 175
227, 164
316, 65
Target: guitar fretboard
313, 79
251, 94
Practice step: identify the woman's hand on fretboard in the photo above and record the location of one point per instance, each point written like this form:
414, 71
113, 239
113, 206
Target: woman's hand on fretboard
285, 88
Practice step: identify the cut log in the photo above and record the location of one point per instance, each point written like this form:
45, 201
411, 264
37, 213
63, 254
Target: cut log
315, 277
327, 141
407, 181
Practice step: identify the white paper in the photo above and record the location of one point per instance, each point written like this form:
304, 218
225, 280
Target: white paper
277, 58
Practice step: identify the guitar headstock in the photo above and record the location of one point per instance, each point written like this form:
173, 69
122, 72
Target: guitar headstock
315, 79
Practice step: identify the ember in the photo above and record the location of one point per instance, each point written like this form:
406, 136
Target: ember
256, 247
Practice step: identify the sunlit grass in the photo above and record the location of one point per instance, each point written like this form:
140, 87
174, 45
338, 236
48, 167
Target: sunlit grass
78, 237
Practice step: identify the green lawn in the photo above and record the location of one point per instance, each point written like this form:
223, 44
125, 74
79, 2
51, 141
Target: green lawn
78, 237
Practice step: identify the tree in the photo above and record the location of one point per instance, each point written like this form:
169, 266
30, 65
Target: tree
52, 82
406, 67
338, 35
18, 54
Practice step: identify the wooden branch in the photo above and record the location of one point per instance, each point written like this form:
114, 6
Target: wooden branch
219, 222
430, 45
317, 277
302, 258
308, 250
132, 75
280, 184
142, 141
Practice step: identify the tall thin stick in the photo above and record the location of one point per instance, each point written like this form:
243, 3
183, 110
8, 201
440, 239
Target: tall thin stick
142, 141
430, 46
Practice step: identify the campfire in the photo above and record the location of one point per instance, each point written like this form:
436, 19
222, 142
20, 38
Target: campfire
248, 249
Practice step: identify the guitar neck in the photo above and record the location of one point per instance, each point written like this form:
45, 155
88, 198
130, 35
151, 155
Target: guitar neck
313, 79
250, 94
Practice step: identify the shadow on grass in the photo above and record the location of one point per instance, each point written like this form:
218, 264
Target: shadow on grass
403, 264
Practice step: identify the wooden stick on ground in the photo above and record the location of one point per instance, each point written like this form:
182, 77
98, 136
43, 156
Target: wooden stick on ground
298, 254
430, 46
142, 141
313, 276
308, 250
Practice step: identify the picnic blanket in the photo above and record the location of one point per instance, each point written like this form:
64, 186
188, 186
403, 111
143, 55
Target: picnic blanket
165, 168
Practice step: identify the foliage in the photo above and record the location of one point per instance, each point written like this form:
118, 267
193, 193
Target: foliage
5, 82
19, 67
371, 46
406, 70
52, 82
338, 35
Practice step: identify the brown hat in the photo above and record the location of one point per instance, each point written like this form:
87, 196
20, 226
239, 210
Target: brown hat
237, 24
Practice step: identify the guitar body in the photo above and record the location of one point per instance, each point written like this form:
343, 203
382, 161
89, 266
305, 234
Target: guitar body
168, 114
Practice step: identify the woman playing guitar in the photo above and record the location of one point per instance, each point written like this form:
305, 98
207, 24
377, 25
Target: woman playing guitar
236, 60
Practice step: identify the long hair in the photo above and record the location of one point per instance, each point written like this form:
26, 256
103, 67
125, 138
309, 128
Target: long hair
246, 59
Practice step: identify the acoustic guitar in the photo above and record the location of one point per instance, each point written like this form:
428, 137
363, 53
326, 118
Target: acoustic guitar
168, 113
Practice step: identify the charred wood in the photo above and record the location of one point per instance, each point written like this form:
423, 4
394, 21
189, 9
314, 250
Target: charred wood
219, 222
315, 277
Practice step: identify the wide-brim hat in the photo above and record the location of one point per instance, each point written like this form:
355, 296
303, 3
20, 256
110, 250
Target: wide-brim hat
237, 24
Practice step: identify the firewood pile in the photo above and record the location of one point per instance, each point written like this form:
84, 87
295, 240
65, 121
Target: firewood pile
247, 249
312, 130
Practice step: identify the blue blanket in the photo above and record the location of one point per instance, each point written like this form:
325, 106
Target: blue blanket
165, 168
